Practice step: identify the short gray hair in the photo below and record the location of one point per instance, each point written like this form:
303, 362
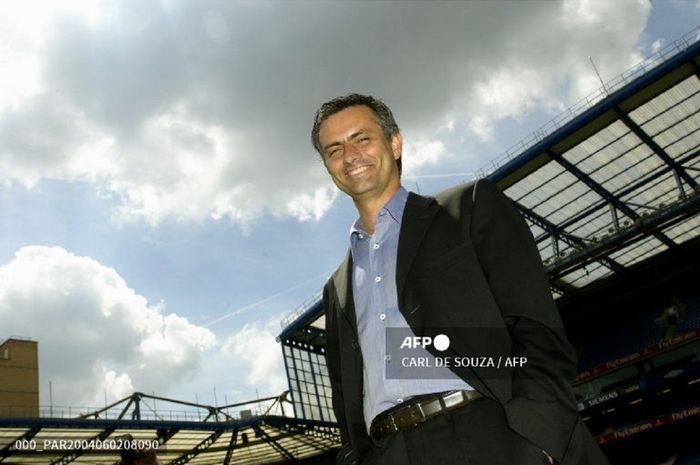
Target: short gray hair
383, 114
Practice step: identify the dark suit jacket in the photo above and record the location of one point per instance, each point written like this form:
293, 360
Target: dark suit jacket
466, 259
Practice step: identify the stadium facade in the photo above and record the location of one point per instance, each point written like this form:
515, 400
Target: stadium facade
610, 192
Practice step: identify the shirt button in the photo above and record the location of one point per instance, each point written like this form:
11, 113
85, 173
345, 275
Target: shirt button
387, 358
382, 316
399, 400
377, 279
376, 246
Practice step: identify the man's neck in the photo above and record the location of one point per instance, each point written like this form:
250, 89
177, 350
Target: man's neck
369, 208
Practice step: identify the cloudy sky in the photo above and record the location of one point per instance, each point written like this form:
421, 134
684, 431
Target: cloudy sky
161, 207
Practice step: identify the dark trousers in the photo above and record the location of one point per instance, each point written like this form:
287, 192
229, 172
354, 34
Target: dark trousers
476, 434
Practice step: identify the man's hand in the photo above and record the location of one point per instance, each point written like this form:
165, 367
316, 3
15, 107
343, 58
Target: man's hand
549, 457
346, 456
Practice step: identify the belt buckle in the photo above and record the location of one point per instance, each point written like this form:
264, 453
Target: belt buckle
454, 399
393, 423
422, 412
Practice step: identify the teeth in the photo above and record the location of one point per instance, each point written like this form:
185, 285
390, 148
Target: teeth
355, 171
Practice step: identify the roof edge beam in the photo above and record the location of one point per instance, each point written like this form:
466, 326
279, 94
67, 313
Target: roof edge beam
678, 170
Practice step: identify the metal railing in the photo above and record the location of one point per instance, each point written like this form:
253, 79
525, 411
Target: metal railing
636, 71
300, 310
140, 406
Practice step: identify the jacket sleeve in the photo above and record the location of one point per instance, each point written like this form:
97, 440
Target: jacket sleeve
542, 407
346, 455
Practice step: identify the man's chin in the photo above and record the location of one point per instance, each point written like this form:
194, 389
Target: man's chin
357, 190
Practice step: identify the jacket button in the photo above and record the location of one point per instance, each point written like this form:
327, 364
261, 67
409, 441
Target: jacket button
354, 345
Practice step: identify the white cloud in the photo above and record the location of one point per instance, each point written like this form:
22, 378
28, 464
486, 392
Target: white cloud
657, 45
189, 110
420, 153
95, 334
119, 386
509, 92
312, 206
255, 349
549, 67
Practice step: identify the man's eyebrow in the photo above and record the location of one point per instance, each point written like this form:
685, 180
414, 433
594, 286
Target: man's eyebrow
332, 144
357, 134
352, 136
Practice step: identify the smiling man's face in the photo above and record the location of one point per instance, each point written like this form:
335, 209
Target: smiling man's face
358, 157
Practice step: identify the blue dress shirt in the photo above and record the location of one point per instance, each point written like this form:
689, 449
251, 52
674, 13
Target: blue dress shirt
376, 307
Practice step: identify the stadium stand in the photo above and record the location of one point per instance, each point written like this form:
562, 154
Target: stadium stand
609, 189
610, 192
255, 432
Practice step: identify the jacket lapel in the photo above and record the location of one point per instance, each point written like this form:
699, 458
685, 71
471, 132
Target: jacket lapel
417, 216
342, 279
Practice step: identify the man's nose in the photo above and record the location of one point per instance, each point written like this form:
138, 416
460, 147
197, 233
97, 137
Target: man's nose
351, 153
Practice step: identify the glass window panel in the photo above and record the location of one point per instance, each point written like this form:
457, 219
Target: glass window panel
587, 275
315, 413
684, 146
656, 107
638, 251
687, 230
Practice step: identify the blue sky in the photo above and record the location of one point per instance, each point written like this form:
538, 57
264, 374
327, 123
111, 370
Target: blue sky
156, 177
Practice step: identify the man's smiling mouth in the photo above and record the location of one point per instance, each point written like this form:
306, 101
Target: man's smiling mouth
357, 171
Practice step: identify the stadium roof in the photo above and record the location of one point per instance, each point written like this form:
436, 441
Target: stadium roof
607, 184
619, 183
200, 435
603, 187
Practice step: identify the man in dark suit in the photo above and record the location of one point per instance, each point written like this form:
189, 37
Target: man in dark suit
461, 266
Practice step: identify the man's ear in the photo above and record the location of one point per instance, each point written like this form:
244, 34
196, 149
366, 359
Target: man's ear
396, 145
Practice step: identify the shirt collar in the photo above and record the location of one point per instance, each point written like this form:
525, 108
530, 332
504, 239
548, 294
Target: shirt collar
396, 204
395, 207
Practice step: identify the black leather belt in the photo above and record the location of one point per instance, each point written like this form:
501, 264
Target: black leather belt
413, 413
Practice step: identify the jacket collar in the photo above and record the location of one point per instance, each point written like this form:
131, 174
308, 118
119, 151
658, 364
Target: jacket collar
417, 217
343, 287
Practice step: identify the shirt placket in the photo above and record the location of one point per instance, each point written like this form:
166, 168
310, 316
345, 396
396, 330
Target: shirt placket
380, 265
